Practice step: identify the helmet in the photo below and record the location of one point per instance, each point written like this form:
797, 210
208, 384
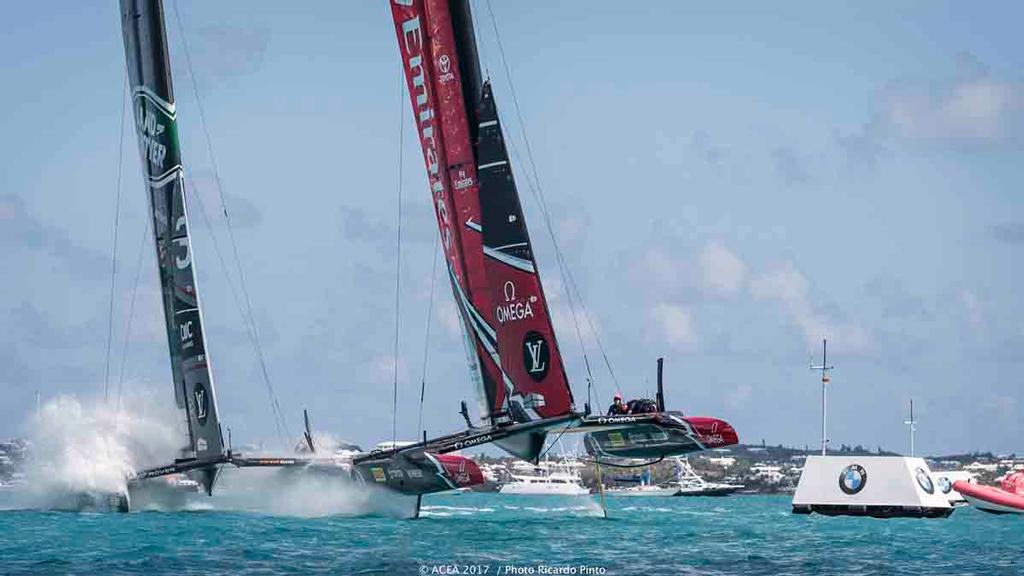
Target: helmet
618, 395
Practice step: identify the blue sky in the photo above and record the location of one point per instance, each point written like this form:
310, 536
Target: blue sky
730, 184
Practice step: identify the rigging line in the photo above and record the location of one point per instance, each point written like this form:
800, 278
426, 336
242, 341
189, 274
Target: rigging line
593, 331
113, 258
607, 463
556, 440
559, 259
482, 47
426, 338
131, 314
570, 285
538, 192
398, 261
249, 318
279, 421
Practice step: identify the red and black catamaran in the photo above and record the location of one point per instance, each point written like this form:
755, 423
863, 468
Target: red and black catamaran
514, 355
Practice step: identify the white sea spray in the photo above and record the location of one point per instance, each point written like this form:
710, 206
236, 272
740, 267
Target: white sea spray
83, 445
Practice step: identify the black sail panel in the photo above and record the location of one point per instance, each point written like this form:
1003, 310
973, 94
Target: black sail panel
526, 338
155, 114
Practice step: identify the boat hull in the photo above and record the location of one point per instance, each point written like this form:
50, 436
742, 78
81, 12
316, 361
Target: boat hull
716, 491
92, 501
874, 511
418, 472
636, 493
653, 436
543, 490
990, 499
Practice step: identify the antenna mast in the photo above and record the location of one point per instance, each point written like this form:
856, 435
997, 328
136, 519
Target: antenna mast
824, 367
913, 427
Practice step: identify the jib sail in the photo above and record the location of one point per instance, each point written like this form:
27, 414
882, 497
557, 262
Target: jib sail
526, 340
149, 75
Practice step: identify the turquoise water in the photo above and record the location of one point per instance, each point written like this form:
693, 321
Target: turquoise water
487, 533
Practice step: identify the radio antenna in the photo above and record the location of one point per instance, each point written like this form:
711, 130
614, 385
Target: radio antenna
913, 427
824, 367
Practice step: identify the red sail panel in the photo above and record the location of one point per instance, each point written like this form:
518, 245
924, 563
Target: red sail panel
526, 338
431, 71
462, 176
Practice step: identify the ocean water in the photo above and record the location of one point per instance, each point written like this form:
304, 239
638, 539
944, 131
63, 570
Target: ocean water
499, 535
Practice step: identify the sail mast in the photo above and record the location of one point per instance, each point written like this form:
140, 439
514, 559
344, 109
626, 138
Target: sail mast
145, 43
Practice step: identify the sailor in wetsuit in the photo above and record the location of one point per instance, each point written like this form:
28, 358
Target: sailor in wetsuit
618, 407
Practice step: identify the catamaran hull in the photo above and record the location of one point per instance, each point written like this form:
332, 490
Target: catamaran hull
420, 472
653, 436
411, 471
164, 493
93, 501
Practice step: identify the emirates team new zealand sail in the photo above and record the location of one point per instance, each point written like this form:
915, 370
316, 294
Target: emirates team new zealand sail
513, 354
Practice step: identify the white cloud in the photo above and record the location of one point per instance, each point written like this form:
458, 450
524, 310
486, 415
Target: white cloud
972, 307
448, 314
561, 318
739, 396
663, 273
978, 109
1004, 407
7, 210
788, 287
571, 229
381, 369
674, 324
722, 271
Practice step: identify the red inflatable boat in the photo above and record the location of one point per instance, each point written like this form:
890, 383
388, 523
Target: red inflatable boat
1008, 498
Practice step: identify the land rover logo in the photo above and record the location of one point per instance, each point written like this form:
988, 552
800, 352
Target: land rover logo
944, 484
202, 402
924, 481
852, 479
536, 355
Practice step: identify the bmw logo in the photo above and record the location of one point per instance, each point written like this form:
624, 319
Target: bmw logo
852, 479
924, 481
944, 484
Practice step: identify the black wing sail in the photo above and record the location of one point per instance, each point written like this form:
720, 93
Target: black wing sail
145, 44
526, 338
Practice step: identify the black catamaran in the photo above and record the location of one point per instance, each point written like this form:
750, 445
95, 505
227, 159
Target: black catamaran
412, 469
514, 357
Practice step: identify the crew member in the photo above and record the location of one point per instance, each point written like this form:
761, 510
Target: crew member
617, 407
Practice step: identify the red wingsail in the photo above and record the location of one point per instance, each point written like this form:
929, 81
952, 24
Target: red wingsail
430, 61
